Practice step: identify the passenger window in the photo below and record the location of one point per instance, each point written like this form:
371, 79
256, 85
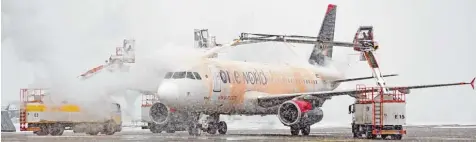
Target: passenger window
197, 75
190, 75
168, 75
178, 75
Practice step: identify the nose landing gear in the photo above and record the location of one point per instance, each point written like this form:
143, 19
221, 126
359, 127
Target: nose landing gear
212, 125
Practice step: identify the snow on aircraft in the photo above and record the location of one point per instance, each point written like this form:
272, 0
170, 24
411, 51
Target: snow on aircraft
295, 93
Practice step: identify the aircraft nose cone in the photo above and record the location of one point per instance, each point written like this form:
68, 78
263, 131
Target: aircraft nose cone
168, 93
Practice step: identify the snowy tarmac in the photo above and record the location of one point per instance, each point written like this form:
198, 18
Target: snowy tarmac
426, 133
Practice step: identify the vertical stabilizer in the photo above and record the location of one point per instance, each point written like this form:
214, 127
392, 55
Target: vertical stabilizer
321, 52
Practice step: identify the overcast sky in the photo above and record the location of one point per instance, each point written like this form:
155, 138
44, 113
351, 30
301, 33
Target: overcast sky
423, 41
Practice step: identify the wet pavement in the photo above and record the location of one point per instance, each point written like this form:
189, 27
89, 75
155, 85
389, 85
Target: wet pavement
462, 133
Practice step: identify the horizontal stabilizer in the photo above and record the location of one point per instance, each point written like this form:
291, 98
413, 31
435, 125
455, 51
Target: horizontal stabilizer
363, 78
472, 83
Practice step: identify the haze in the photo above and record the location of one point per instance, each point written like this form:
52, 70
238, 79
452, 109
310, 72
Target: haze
423, 41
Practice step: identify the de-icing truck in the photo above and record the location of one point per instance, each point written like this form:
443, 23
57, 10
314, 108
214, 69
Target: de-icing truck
378, 114
50, 118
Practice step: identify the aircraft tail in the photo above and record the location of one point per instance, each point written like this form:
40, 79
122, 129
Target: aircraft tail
321, 52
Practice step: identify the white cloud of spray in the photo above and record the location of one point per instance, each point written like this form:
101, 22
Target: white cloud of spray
59, 40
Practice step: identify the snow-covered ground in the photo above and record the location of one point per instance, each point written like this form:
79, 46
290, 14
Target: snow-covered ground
257, 122
256, 125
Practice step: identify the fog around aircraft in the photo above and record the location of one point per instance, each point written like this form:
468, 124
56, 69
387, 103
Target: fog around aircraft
422, 50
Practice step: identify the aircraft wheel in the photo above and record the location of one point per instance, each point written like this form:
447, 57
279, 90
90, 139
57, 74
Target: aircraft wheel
212, 128
154, 129
194, 130
294, 130
306, 130
222, 128
170, 131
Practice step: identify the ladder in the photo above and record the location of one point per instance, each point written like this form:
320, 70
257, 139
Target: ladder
377, 111
376, 99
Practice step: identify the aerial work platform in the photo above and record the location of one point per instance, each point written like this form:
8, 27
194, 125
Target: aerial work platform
378, 114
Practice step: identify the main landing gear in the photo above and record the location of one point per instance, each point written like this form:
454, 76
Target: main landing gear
305, 130
212, 125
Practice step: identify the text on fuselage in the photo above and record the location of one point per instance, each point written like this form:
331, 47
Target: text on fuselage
249, 77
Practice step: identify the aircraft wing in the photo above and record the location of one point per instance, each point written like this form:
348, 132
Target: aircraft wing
362, 78
145, 92
273, 100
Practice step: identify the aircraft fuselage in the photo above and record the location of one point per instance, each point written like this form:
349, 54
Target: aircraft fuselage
232, 87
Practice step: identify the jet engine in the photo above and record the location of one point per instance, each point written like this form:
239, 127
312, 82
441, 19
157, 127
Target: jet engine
299, 112
159, 113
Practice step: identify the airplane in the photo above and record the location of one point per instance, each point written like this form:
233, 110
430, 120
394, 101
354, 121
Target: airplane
294, 93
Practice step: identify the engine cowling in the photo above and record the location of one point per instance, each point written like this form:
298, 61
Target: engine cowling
159, 113
299, 112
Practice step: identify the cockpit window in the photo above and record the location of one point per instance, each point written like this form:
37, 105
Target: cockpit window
168, 75
197, 76
178, 75
190, 75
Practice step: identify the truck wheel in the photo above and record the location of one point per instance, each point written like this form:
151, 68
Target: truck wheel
369, 135
109, 128
43, 130
355, 131
93, 132
118, 128
110, 132
397, 137
92, 129
170, 131
56, 129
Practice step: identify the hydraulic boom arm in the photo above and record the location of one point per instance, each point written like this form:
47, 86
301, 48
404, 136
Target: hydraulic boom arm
363, 42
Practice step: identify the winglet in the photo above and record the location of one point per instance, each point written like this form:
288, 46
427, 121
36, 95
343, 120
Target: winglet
472, 83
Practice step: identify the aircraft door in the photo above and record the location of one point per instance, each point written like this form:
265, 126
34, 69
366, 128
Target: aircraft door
216, 80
